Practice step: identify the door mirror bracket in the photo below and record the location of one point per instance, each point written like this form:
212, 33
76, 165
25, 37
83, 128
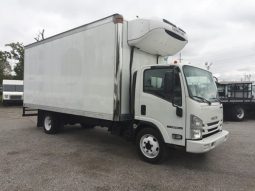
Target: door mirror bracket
179, 111
176, 101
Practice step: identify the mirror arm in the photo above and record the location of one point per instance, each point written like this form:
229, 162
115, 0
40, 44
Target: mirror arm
179, 111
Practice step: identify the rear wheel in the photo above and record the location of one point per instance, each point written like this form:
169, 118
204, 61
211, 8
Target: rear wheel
51, 123
150, 145
238, 113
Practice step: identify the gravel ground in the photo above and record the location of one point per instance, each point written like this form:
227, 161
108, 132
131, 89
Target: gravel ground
93, 159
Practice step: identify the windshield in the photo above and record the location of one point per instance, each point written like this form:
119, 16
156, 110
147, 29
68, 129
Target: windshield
200, 84
13, 88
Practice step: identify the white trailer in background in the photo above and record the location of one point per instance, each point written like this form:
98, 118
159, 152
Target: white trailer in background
111, 73
12, 91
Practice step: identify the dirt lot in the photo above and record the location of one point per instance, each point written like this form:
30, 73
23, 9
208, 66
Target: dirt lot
78, 159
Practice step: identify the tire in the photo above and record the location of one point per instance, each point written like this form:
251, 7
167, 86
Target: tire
150, 146
87, 126
238, 113
51, 123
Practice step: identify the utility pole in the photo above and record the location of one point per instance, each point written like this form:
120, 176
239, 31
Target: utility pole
180, 57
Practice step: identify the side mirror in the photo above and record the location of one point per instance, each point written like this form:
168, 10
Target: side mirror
179, 111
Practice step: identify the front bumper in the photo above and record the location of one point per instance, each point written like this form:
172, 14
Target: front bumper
7, 102
206, 144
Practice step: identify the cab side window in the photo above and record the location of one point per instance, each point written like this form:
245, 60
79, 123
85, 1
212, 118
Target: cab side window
156, 82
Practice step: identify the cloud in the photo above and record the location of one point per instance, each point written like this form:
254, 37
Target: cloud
221, 32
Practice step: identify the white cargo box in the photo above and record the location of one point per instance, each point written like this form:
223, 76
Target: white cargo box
86, 71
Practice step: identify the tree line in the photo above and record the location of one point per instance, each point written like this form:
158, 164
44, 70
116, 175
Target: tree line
15, 55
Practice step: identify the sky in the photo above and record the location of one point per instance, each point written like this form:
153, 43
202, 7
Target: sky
220, 32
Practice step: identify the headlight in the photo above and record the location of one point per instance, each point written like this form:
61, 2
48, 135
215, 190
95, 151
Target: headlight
196, 127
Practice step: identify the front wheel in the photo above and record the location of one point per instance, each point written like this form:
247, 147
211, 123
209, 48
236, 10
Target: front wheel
150, 145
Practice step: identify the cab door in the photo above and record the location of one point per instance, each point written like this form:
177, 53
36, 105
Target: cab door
162, 103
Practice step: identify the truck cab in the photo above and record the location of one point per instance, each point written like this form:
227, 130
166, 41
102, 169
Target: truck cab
181, 102
12, 91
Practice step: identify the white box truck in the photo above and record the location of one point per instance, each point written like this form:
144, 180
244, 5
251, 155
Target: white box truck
12, 92
111, 73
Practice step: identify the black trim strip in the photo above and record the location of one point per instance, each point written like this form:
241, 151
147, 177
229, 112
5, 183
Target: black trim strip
176, 36
181, 30
166, 21
209, 134
162, 67
174, 127
132, 106
212, 123
130, 78
212, 129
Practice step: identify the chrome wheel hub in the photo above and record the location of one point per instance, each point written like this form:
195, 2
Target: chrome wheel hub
240, 113
149, 146
47, 123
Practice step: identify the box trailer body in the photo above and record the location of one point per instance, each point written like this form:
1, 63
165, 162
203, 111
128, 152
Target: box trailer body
12, 91
110, 73
237, 97
84, 66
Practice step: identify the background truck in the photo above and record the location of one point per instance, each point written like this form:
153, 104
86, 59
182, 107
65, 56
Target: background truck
238, 99
12, 92
112, 73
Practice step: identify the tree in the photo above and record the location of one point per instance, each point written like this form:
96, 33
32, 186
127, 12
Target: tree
17, 53
5, 67
40, 36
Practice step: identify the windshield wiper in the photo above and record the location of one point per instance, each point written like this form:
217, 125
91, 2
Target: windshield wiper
203, 99
218, 99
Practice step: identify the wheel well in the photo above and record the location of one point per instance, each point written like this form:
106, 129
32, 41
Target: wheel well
234, 112
41, 115
142, 124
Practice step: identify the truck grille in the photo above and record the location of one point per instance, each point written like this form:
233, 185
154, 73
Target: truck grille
15, 97
209, 134
212, 123
212, 129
